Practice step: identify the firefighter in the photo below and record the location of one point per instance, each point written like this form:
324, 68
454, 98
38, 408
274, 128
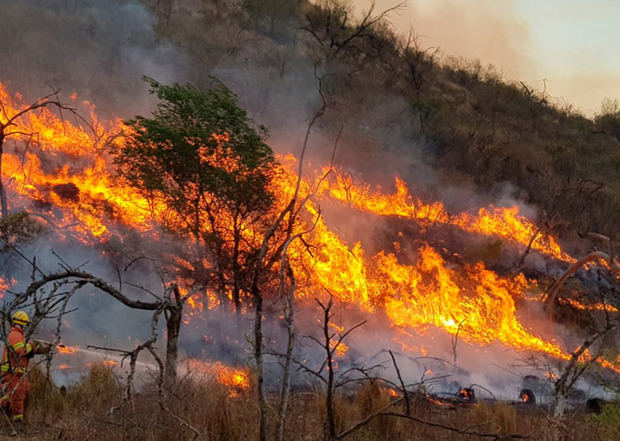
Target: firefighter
14, 365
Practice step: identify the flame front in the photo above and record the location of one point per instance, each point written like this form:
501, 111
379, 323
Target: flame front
67, 349
69, 173
236, 379
501, 222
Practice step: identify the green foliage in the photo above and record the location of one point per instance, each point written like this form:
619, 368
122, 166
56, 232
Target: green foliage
179, 153
608, 423
200, 154
199, 149
18, 228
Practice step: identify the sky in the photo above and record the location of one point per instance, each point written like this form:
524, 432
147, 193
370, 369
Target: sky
571, 47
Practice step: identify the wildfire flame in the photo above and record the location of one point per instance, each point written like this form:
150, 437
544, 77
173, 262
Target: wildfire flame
67, 349
588, 307
501, 222
4, 285
83, 197
237, 380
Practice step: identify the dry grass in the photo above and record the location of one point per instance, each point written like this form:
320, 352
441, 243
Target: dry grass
90, 411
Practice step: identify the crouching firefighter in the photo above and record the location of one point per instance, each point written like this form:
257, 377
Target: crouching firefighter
15, 358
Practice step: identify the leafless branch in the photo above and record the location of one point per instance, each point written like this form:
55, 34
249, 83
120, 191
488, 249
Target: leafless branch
402, 384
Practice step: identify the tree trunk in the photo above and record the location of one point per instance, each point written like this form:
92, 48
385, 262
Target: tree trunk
330, 420
173, 328
3, 202
555, 289
288, 301
560, 406
258, 356
235, 267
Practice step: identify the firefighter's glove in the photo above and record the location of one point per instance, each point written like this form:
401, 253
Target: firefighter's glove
41, 348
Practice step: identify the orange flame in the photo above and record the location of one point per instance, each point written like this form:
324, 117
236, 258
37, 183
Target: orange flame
237, 380
473, 300
506, 223
67, 349
588, 307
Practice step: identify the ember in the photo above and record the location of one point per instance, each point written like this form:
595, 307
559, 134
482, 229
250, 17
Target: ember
466, 394
236, 379
527, 396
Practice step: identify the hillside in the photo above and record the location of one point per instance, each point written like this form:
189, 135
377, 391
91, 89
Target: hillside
413, 104
279, 219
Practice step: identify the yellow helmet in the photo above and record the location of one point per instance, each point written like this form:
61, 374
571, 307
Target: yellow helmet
21, 318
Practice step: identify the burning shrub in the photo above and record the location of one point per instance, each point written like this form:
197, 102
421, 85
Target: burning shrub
201, 159
68, 191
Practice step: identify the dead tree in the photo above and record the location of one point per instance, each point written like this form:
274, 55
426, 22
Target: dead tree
170, 302
277, 239
162, 369
334, 28
579, 362
418, 62
9, 127
287, 291
327, 374
608, 257
47, 303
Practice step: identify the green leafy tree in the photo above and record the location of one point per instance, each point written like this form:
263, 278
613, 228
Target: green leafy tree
201, 158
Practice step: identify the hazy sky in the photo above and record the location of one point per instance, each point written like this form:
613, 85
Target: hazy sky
573, 44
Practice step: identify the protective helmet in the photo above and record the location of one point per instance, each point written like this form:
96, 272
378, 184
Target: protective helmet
21, 318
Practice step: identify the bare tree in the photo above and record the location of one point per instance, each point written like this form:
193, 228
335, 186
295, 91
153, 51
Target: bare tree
170, 302
336, 31
608, 257
579, 362
279, 243
9, 127
333, 380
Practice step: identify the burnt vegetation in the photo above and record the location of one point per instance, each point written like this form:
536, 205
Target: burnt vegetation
476, 130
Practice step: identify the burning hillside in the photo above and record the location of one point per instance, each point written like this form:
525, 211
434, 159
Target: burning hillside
61, 170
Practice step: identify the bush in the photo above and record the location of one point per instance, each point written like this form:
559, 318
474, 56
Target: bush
18, 228
100, 386
608, 423
46, 401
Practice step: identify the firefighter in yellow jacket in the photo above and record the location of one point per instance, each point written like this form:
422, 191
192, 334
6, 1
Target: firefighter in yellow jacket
14, 365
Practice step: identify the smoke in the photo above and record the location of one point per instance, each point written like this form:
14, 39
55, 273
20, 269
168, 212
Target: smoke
98, 49
566, 51
101, 49
487, 30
